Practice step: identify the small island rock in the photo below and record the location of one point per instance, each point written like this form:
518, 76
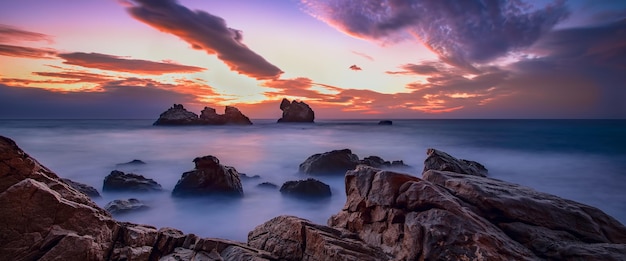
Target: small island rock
121, 206
209, 178
267, 185
120, 181
296, 112
309, 188
134, 162
385, 122
178, 115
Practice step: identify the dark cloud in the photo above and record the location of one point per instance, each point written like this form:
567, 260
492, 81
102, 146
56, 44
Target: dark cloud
10, 34
460, 32
27, 52
206, 32
354, 67
120, 64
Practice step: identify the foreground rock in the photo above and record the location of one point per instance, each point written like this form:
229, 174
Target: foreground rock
84, 188
296, 112
120, 181
453, 216
439, 160
337, 162
43, 218
294, 239
122, 206
209, 178
309, 188
178, 115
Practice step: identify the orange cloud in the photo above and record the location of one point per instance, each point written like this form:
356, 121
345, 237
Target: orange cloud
27, 52
10, 34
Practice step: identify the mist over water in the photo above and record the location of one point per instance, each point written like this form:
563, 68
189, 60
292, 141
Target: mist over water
581, 160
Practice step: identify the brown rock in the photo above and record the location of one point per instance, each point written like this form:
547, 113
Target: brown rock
439, 160
308, 188
84, 188
209, 178
231, 116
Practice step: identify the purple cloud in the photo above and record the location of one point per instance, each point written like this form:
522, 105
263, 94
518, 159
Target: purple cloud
26, 52
120, 64
11, 34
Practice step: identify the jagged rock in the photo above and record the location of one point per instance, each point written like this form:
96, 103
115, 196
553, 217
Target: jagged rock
378, 162
209, 178
332, 162
309, 188
84, 188
267, 185
120, 181
177, 115
121, 206
134, 162
439, 160
296, 112
294, 239
231, 115
385, 122
452, 216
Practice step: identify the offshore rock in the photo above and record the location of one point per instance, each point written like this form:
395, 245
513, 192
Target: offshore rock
385, 122
296, 112
120, 181
294, 239
177, 115
309, 188
439, 160
209, 178
134, 162
122, 206
84, 188
339, 161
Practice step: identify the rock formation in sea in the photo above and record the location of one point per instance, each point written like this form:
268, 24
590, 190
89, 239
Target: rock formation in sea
296, 111
84, 188
134, 162
120, 181
308, 188
121, 206
178, 115
209, 178
385, 122
388, 215
337, 162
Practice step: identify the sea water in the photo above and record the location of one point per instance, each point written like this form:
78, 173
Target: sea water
582, 160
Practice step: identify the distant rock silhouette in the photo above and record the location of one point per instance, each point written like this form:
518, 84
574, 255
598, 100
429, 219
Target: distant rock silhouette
296, 112
385, 122
132, 163
178, 115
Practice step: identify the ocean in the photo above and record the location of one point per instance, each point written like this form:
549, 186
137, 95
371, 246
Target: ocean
581, 160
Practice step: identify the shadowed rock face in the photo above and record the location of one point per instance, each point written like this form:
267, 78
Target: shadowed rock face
337, 162
84, 188
178, 115
296, 112
309, 188
439, 160
209, 178
120, 181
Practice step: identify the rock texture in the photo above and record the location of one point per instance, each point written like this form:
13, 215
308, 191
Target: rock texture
296, 112
309, 188
209, 178
120, 181
84, 188
121, 206
294, 239
337, 162
439, 160
178, 115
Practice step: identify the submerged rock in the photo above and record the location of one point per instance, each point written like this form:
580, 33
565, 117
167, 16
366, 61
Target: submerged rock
120, 181
84, 188
178, 115
309, 188
385, 122
439, 160
209, 178
296, 112
122, 206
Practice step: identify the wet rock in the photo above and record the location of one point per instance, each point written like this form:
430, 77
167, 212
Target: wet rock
267, 185
209, 178
439, 160
84, 188
309, 188
121, 206
120, 181
294, 239
177, 115
332, 162
385, 122
134, 162
296, 112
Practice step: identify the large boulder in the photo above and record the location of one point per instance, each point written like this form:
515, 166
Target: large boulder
308, 188
296, 112
209, 178
453, 216
439, 160
177, 115
122, 206
231, 116
332, 162
84, 188
294, 239
120, 181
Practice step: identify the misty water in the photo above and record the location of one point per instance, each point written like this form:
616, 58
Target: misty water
582, 160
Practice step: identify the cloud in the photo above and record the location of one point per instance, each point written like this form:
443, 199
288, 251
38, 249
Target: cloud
297, 87
460, 32
363, 55
354, 67
120, 64
9, 34
27, 52
206, 32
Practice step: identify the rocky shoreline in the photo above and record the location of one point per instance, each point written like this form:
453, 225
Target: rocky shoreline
453, 212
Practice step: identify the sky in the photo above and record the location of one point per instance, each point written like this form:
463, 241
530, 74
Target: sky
393, 59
